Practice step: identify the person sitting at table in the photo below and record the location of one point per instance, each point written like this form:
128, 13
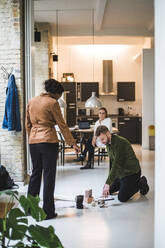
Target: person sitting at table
93, 141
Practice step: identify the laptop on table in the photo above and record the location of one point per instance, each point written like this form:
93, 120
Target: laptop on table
84, 124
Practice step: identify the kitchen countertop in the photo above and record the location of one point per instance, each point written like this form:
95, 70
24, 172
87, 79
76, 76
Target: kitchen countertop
129, 116
109, 115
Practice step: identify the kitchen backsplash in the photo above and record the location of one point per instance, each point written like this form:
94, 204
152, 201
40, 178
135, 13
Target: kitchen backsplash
112, 105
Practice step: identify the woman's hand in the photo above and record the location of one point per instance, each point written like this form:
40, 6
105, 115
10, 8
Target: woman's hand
76, 148
94, 141
106, 190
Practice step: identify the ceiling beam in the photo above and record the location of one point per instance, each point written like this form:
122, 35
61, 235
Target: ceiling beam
100, 9
106, 32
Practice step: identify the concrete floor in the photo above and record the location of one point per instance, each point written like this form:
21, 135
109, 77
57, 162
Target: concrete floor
120, 225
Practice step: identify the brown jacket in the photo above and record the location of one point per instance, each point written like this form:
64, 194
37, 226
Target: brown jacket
43, 112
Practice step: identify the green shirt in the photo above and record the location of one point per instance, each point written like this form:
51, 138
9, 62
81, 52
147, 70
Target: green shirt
123, 159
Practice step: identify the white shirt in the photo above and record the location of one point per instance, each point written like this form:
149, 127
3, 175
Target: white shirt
106, 122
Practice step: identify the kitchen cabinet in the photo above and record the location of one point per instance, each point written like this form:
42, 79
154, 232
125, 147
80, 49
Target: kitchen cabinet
85, 89
70, 98
130, 128
77, 91
125, 91
139, 130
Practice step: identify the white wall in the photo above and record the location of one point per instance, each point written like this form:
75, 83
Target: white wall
78, 55
160, 123
125, 68
148, 95
41, 57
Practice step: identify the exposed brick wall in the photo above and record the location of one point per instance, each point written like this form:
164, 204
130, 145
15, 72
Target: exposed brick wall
11, 55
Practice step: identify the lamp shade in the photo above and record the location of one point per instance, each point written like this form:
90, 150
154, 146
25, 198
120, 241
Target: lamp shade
61, 103
93, 102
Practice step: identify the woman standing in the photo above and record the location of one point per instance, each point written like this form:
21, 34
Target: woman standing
92, 141
43, 113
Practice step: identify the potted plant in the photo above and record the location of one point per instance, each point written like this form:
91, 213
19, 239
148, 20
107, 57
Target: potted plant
15, 230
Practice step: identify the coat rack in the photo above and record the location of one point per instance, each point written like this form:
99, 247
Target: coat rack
6, 74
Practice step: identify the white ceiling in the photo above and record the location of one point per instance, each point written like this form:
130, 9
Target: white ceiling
111, 17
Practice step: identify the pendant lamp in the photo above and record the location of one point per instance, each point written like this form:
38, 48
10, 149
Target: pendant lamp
93, 102
61, 101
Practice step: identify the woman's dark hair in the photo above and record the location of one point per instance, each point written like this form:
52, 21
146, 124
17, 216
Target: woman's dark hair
53, 86
105, 110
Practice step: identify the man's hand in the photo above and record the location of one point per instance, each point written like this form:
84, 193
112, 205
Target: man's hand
76, 148
106, 190
94, 141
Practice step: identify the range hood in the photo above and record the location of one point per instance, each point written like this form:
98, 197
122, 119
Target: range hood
107, 78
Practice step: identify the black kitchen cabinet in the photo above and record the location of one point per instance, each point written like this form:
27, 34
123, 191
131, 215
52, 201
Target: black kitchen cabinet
130, 128
139, 130
77, 91
70, 98
87, 88
125, 91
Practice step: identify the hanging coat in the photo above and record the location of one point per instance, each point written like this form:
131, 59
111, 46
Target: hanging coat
11, 120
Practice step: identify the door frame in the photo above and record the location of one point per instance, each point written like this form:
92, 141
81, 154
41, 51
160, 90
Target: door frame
28, 65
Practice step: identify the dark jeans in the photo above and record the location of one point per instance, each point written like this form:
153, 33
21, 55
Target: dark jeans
44, 158
89, 148
126, 186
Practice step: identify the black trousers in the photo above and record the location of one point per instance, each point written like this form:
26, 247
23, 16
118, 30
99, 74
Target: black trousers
89, 148
126, 186
44, 159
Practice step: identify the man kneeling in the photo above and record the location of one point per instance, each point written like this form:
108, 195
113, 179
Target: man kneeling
125, 172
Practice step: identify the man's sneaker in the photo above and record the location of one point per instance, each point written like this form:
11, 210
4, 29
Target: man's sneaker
143, 185
80, 158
